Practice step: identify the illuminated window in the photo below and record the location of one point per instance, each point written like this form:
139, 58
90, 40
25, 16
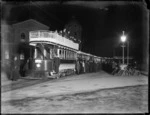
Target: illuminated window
6, 55
35, 53
51, 53
44, 52
60, 51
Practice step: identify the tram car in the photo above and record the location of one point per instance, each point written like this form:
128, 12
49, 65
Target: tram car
53, 55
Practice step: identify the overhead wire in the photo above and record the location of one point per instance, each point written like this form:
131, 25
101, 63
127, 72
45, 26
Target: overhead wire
50, 16
32, 12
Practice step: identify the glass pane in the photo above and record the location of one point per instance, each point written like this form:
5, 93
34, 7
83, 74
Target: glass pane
38, 54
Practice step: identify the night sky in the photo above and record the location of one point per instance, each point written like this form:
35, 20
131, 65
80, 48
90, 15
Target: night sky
102, 22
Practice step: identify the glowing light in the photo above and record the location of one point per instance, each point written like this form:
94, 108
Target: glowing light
123, 38
38, 61
38, 65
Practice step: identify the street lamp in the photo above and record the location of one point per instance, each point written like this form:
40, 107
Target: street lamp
128, 53
123, 39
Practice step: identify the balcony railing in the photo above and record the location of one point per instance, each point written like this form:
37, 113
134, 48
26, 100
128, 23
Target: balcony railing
54, 37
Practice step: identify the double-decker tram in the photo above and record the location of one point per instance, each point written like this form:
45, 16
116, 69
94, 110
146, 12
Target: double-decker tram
53, 54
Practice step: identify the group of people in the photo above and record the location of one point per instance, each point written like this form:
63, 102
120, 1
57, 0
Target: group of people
14, 68
87, 66
108, 66
18, 68
115, 68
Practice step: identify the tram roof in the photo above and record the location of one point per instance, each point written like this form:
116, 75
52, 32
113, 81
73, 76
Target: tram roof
51, 37
50, 43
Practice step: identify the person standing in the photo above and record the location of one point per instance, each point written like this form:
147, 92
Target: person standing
83, 65
15, 68
86, 66
77, 67
56, 63
22, 64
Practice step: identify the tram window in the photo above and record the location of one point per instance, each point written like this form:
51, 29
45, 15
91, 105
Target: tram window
44, 53
38, 54
60, 52
63, 53
75, 55
51, 53
35, 53
47, 53
55, 52
66, 54
71, 55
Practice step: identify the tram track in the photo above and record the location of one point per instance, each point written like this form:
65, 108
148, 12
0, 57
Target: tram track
22, 84
27, 82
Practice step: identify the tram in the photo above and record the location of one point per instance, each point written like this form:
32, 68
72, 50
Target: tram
53, 55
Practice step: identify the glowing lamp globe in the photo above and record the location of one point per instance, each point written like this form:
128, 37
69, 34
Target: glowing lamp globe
123, 38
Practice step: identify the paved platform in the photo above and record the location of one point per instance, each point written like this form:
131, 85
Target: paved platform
75, 84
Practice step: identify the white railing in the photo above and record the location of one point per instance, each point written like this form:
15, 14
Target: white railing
54, 37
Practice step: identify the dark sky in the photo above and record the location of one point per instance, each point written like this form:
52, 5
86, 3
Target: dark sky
102, 22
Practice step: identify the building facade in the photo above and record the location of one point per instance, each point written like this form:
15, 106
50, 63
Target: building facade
23, 28
12, 35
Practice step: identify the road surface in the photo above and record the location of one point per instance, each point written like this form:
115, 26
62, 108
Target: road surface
87, 93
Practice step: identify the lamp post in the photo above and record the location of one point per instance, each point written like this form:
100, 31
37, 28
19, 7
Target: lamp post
128, 53
123, 39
